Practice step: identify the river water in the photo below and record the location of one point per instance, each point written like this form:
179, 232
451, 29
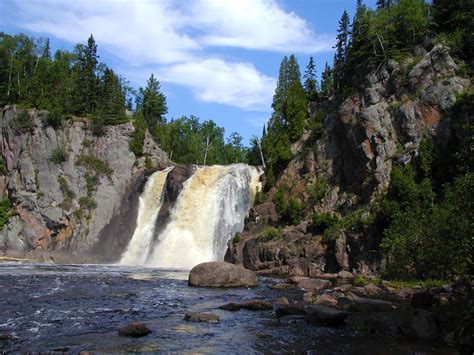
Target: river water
73, 308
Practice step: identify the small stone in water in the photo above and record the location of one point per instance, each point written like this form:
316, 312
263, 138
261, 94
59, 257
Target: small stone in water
201, 317
134, 330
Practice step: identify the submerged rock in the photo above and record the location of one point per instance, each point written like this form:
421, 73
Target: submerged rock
422, 299
362, 304
251, 305
221, 274
424, 325
134, 330
289, 310
201, 317
319, 314
310, 284
283, 286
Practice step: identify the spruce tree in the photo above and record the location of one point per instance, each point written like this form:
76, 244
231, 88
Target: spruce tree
153, 104
311, 84
342, 40
326, 82
86, 86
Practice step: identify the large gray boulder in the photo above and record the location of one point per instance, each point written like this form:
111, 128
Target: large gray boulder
221, 274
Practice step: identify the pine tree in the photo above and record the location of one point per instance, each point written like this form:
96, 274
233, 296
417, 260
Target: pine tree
360, 48
282, 86
86, 86
327, 88
153, 104
342, 40
46, 51
112, 98
311, 84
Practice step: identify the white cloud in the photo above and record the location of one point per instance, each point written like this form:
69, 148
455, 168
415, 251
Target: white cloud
255, 25
137, 31
214, 80
177, 39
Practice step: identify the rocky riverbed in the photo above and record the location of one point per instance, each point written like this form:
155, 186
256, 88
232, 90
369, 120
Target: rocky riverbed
73, 308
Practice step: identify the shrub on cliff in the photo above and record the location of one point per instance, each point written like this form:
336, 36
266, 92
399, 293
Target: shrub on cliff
290, 210
58, 155
22, 122
5, 212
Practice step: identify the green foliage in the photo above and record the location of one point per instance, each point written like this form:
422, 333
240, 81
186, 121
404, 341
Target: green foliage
290, 210
22, 122
59, 155
429, 283
87, 203
3, 166
91, 183
361, 281
325, 221
5, 212
237, 238
148, 163
68, 194
53, 118
452, 20
138, 134
93, 163
259, 197
314, 296
67, 82
152, 103
423, 239
317, 191
270, 232
311, 84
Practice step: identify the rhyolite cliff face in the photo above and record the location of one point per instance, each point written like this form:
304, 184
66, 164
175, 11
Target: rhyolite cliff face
60, 208
376, 128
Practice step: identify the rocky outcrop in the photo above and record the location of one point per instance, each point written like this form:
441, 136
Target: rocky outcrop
62, 204
220, 274
376, 128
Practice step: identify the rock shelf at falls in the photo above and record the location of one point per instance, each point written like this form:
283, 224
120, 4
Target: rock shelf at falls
209, 210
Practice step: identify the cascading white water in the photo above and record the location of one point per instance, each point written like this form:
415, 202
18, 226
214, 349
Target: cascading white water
209, 211
149, 206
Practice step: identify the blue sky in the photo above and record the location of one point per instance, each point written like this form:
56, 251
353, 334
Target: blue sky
215, 59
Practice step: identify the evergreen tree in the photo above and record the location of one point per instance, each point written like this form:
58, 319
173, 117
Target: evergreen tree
46, 51
87, 84
327, 88
112, 98
311, 84
342, 40
153, 104
282, 86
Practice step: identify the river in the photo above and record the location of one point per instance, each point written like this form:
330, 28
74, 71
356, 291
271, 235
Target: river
74, 308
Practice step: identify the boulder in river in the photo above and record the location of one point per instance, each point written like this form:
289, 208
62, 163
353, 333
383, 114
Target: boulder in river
251, 305
221, 274
134, 330
319, 314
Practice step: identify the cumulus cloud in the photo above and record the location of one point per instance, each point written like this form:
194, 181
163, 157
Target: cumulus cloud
177, 39
255, 25
235, 84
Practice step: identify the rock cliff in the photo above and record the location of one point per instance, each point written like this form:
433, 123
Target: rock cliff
379, 126
65, 185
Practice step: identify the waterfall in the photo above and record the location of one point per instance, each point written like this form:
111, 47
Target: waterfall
149, 206
210, 209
